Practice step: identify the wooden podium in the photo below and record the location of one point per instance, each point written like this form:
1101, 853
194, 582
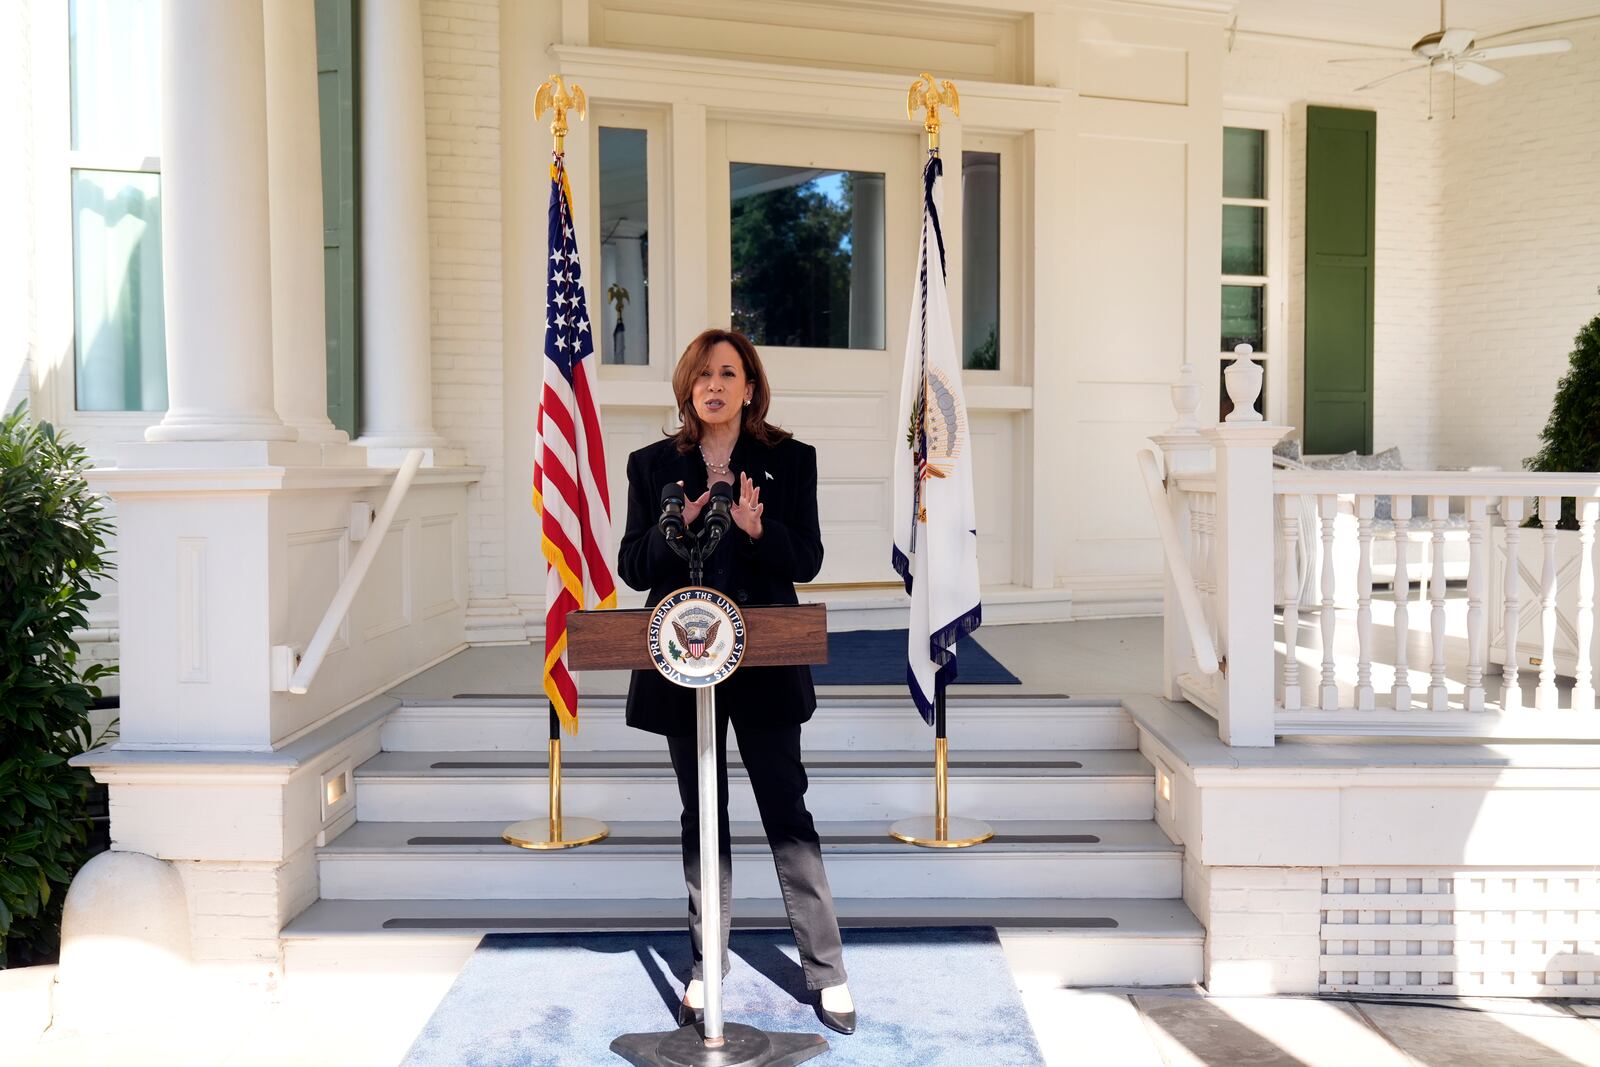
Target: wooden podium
772, 636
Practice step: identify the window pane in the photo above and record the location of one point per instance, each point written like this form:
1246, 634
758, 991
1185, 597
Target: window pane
1242, 322
624, 246
1244, 163
121, 330
980, 261
807, 256
1225, 405
1244, 239
115, 48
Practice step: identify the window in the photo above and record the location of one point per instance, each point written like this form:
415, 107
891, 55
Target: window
980, 260
341, 203
114, 173
624, 245
1252, 261
807, 256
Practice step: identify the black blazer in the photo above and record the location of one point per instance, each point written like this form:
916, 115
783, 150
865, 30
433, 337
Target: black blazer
749, 572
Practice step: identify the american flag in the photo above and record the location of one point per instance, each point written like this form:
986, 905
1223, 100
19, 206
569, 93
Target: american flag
569, 463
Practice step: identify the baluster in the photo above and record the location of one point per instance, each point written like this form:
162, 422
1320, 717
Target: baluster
1197, 553
1401, 587
1364, 510
1213, 598
1438, 692
1547, 698
1328, 692
1511, 514
1583, 674
1289, 533
1477, 579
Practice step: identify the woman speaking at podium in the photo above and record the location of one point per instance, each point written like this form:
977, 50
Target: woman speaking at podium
722, 396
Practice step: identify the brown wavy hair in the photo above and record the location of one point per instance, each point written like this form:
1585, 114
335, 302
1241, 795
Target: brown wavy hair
753, 419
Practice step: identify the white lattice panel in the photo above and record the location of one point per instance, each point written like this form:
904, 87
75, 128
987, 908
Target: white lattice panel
1438, 931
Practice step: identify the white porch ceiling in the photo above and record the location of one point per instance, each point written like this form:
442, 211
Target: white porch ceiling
1397, 23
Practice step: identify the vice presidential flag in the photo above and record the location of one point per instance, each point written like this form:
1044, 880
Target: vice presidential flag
569, 464
935, 527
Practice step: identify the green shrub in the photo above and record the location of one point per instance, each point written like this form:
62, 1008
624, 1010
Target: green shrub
1572, 435
52, 545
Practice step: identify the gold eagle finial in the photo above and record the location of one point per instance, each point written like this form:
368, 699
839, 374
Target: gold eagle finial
556, 94
931, 96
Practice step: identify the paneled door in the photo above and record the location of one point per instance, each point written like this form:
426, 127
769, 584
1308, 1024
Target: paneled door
812, 243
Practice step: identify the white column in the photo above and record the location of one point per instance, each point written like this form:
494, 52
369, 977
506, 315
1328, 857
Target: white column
294, 183
216, 263
397, 373
866, 262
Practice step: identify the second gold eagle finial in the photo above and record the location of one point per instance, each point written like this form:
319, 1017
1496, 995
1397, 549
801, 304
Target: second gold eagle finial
931, 96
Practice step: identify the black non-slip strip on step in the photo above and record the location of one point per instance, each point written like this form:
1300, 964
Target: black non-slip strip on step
853, 839
602, 925
635, 765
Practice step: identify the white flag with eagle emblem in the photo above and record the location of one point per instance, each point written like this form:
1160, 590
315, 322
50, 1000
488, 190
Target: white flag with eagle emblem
935, 523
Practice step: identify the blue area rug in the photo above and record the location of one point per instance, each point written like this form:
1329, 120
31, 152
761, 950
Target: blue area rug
878, 657
939, 997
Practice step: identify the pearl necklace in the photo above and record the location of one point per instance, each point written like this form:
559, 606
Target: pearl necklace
716, 468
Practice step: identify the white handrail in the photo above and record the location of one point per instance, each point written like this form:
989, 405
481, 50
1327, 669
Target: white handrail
1205, 653
317, 650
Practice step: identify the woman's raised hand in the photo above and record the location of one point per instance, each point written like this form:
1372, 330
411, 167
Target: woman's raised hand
747, 509
692, 508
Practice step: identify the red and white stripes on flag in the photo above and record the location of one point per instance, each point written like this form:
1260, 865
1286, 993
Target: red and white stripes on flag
569, 463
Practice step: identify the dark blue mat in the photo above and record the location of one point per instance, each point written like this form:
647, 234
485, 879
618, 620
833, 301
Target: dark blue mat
940, 997
878, 657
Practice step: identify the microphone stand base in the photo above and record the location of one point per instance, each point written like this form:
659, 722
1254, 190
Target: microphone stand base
743, 1046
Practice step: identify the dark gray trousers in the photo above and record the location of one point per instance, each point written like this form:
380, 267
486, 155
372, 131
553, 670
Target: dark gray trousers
772, 758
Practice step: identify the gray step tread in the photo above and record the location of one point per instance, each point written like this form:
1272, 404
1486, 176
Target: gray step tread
482, 839
1078, 764
1136, 919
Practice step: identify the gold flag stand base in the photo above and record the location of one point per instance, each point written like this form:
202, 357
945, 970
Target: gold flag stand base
555, 830
939, 830
568, 832
926, 831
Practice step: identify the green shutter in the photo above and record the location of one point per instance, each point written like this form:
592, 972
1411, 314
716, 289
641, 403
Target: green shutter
1341, 178
336, 99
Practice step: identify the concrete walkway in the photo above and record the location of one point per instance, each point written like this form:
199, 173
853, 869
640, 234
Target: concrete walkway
371, 1023
1184, 1028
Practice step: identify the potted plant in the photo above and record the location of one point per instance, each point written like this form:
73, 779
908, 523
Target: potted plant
1570, 442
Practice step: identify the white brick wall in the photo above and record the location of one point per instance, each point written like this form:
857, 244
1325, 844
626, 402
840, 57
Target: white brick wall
1520, 259
1262, 927
16, 193
1408, 224
461, 72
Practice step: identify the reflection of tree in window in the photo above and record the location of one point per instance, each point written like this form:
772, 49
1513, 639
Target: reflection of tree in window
791, 251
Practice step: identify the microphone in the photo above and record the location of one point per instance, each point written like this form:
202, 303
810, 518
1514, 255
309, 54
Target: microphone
671, 521
718, 516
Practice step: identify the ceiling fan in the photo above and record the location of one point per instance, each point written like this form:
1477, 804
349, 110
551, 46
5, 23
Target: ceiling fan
1455, 50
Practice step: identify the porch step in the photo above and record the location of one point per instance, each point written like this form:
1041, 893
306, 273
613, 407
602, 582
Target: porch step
430, 860
625, 786
842, 722
1049, 942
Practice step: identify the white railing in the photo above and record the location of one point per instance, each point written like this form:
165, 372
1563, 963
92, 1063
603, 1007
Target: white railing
311, 660
1199, 624
1529, 599
1414, 603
